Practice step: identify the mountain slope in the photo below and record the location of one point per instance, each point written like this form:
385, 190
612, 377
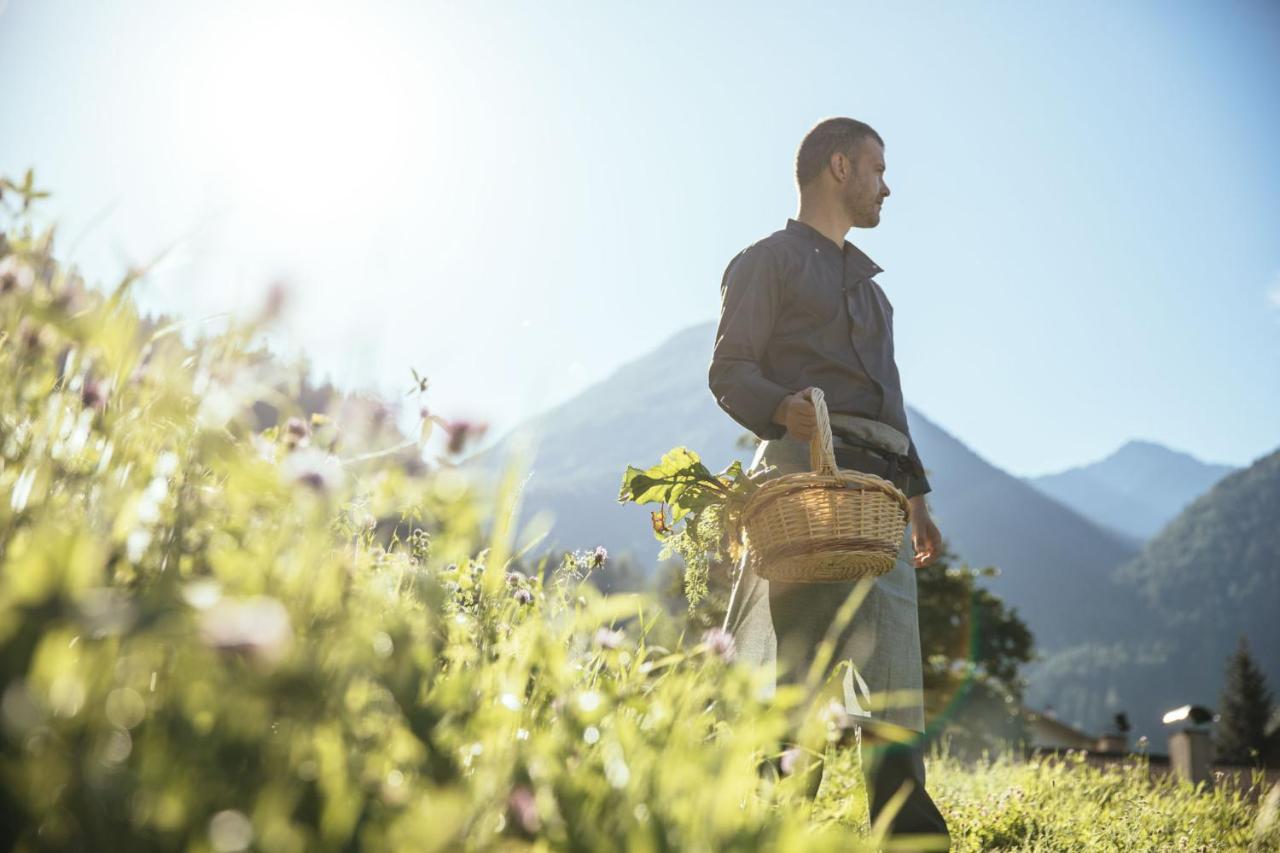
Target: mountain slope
1136, 490
1210, 576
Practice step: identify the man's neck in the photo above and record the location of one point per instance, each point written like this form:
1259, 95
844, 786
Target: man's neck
829, 223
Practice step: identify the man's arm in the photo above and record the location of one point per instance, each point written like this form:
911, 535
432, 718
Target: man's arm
926, 540
750, 297
918, 483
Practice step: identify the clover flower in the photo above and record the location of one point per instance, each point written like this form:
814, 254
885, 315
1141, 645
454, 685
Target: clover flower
313, 469
598, 556
93, 395
296, 433
15, 275
523, 596
787, 763
607, 638
463, 432
720, 643
522, 810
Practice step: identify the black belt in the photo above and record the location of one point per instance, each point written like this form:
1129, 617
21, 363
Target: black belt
894, 467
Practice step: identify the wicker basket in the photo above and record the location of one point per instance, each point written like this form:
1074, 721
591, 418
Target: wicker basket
824, 525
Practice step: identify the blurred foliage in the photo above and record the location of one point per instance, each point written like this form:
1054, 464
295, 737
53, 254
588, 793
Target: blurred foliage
231, 619
974, 648
219, 636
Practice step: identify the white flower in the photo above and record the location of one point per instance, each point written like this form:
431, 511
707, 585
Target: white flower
258, 626
314, 469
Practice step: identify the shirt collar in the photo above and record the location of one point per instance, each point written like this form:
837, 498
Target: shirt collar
855, 256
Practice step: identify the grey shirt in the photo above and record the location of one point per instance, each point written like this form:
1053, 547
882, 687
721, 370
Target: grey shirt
797, 310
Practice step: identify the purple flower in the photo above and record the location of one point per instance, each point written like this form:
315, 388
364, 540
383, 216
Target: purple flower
720, 643
461, 433
608, 639
315, 470
523, 596
599, 556
787, 764
15, 275
296, 433
93, 395
515, 578
522, 810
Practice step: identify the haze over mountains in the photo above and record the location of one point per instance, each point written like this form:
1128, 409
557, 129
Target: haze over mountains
1135, 491
1112, 618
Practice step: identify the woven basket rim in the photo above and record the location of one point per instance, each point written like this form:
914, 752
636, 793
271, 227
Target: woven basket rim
789, 484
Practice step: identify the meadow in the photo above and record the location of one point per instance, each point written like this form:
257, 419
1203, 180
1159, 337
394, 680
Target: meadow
221, 635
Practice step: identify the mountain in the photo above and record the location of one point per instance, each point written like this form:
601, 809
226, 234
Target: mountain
1136, 490
1211, 575
1055, 565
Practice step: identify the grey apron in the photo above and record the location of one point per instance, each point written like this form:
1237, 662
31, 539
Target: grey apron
881, 641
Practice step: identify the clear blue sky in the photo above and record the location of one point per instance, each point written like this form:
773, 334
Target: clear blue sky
1081, 244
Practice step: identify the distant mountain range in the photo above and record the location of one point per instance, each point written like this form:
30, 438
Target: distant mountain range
1210, 576
1108, 618
1135, 491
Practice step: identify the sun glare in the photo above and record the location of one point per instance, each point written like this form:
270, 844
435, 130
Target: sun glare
301, 119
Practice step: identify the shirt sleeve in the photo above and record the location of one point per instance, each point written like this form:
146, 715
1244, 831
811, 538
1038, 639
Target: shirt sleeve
750, 297
918, 484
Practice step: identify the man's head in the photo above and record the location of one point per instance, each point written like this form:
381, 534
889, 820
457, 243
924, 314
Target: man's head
841, 162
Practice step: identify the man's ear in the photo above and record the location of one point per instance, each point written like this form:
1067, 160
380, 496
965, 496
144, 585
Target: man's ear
841, 167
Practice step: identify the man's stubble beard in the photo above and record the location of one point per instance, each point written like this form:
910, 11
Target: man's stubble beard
868, 217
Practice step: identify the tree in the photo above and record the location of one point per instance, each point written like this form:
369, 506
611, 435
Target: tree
973, 648
1244, 709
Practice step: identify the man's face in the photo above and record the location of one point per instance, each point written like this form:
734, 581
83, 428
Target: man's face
864, 190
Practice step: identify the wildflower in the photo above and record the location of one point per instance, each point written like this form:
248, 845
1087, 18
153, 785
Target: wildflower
836, 719
15, 275
296, 433
608, 639
313, 469
93, 395
273, 305
523, 596
463, 432
515, 578
258, 627
720, 643
522, 810
35, 337
787, 764
599, 556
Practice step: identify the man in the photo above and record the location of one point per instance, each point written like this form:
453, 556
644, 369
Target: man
800, 310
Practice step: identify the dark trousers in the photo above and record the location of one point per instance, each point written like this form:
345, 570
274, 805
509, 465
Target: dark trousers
886, 769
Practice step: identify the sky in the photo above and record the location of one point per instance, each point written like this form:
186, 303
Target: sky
515, 199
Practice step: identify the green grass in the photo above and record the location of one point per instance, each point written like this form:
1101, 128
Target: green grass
1063, 804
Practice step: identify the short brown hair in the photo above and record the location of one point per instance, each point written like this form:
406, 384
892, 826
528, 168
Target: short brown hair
827, 137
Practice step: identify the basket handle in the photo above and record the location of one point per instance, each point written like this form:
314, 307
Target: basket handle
822, 455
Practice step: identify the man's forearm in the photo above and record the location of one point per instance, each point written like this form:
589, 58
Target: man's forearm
918, 508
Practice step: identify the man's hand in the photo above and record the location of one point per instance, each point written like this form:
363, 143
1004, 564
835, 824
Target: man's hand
925, 537
796, 412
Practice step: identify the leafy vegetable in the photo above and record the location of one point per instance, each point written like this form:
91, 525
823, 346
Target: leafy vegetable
710, 505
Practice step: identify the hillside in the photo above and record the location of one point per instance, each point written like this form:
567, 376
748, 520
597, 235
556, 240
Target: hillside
1136, 490
1208, 577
